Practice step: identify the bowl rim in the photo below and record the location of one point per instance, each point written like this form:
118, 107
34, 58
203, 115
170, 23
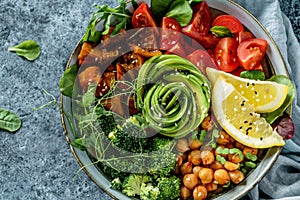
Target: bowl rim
273, 152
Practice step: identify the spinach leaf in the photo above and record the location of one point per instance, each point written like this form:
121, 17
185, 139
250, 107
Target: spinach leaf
272, 116
9, 121
28, 49
221, 31
194, 2
253, 74
160, 8
67, 81
181, 11
118, 17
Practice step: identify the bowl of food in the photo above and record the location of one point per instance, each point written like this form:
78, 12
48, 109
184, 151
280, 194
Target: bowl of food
176, 99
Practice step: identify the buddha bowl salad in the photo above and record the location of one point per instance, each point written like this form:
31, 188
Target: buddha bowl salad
174, 99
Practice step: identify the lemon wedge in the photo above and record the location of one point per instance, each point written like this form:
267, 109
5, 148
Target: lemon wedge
264, 96
237, 117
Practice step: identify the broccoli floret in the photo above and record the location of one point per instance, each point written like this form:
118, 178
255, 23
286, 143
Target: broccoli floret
169, 188
159, 143
116, 184
133, 183
130, 138
107, 120
149, 192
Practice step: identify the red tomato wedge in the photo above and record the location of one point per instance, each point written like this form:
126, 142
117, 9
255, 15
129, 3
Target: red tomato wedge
230, 22
142, 17
201, 59
226, 54
251, 52
200, 23
177, 49
241, 36
209, 41
171, 33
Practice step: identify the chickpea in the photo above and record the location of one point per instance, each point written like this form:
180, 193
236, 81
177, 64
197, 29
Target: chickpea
223, 138
239, 145
185, 156
236, 176
196, 170
194, 157
179, 160
253, 151
186, 168
190, 181
207, 123
235, 158
185, 192
230, 166
210, 187
182, 145
195, 144
206, 175
221, 177
200, 192
216, 165
207, 157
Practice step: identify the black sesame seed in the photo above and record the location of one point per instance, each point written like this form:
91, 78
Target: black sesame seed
250, 124
248, 84
251, 114
253, 84
241, 127
245, 122
261, 138
255, 92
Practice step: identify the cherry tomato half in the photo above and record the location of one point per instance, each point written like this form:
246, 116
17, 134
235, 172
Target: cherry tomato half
200, 23
142, 17
171, 33
241, 36
209, 41
201, 59
251, 52
177, 49
226, 54
230, 22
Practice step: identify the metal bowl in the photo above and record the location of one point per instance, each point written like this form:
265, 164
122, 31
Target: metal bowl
276, 66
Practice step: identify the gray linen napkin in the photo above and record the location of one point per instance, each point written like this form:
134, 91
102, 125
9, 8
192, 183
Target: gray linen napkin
283, 180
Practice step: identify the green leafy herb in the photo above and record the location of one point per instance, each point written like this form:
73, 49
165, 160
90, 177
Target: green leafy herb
67, 81
9, 121
253, 74
194, 2
181, 11
272, 116
221, 31
117, 17
28, 49
160, 8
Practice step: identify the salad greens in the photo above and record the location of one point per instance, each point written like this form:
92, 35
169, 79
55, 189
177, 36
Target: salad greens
180, 10
272, 116
105, 14
67, 81
28, 49
253, 74
9, 121
221, 31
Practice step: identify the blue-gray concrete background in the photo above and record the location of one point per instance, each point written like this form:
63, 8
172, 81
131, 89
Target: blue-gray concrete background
36, 162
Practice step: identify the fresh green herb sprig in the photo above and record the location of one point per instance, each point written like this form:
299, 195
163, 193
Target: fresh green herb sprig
117, 17
221, 31
28, 49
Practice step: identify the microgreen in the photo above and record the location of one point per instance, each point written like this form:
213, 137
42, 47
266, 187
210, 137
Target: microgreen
28, 49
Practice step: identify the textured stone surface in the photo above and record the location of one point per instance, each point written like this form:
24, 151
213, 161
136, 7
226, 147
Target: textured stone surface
36, 162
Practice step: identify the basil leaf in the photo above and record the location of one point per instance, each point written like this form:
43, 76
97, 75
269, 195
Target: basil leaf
67, 81
194, 2
159, 8
28, 49
9, 121
181, 11
253, 74
272, 116
221, 31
